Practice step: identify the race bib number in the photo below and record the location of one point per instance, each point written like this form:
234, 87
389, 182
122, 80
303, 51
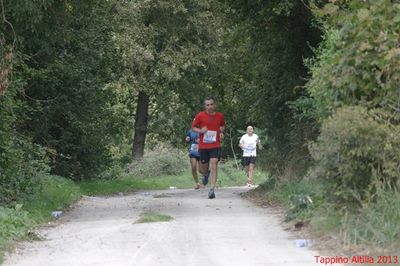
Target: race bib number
250, 147
194, 147
210, 136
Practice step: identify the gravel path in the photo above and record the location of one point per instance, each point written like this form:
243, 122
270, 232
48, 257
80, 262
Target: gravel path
227, 231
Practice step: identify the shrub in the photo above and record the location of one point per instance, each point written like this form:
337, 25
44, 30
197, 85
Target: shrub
358, 61
14, 222
21, 162
356, 153
21, 166
164, 160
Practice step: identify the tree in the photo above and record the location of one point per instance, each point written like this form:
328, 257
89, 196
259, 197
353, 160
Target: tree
267, 44
361, 58
141, 121
66, 59
161, 42
354, 94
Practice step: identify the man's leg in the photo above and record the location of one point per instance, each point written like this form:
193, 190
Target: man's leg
204, 165
203, 168
205, 172
246, 161
213, 171
246, 169
215, 156
250, 176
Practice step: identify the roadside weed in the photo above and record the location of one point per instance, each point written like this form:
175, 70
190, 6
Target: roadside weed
152, 217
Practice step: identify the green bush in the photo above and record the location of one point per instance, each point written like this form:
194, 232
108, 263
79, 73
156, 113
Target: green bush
22, 163
21, 170
356, 153
358, 62
164, 160
14, 222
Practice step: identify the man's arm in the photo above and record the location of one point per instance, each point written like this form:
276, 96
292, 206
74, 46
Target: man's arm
222, 132
200, 130
241, 143
196, 127
222, 128
259, 143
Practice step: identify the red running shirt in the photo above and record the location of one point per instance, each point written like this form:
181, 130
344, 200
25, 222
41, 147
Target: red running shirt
211, 138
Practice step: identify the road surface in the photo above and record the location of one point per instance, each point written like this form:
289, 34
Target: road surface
227, 231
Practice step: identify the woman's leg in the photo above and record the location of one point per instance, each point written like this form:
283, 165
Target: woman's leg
193, 164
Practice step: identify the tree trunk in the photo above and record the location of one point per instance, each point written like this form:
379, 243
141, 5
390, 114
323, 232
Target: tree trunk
142, 115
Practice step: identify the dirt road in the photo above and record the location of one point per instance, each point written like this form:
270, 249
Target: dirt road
227, 231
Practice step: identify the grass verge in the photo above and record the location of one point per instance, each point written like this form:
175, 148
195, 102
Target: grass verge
340, 229
18, 222
228, 175
152, 217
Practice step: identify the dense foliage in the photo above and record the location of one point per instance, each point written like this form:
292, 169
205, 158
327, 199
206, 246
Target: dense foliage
356, 153
361, 55
267, 43
65, 58
356, 82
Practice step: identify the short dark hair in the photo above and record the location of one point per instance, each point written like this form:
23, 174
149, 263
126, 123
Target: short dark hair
209, 98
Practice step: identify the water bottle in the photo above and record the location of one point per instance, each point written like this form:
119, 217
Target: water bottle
56, 214
303, 243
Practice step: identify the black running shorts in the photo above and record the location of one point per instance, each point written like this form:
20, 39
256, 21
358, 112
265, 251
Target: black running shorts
248, 160
206, 154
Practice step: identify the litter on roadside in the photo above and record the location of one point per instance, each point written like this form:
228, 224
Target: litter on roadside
56, 214
303, 243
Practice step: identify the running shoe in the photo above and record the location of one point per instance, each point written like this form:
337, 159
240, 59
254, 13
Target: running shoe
211, 194
250, 184
205, 178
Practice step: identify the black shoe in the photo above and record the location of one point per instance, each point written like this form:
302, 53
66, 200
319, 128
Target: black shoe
205, 178
211, 194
